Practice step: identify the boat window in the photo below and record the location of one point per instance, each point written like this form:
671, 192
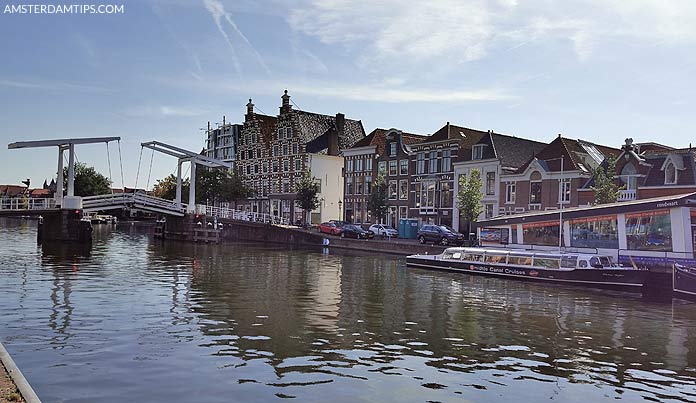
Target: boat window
494, 258
457, 255
583, 263
606, 261
473, 257
569, 261
547, 263
594, 262
520, 260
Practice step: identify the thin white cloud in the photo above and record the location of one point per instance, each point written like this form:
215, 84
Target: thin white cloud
217, 10
164, 111
391, 34
53, 86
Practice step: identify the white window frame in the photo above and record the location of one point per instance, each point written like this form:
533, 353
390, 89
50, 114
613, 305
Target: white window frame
563, 192
510, 192
477, 152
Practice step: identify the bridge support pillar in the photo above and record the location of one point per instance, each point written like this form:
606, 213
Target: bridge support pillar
65, 225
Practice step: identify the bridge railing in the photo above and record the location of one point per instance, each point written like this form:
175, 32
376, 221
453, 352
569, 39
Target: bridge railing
223, 212
26, 203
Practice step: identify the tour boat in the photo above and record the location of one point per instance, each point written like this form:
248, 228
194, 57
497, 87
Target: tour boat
592, 270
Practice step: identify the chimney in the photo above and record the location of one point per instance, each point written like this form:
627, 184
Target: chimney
337, 133
250, 110
448, 130
285, 108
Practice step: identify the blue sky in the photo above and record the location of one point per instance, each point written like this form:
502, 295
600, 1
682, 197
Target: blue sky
600, 70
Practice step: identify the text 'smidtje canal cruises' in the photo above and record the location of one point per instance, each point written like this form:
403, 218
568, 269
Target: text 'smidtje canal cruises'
572, 268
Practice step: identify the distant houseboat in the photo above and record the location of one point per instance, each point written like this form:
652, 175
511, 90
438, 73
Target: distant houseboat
571, 268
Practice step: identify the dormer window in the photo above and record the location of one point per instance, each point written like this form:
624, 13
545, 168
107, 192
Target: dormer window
477, 152
670, 174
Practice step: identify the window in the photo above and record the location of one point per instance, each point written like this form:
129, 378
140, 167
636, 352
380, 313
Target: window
359, 165
427, 197
248, 169
420, 163
286, 165
392, 190
275, 166
540, 234
433, 162
564, 195
403, 167
349, 185
392, 149
349, 166
359, 185
280, 133
477, 152
629, 176
670, 174
489, 210
490, 183
649, 231
535, 192
285, 149
288, 132
294, 148
403, 190
510, 192
368, 164
595, 232
256, 168
382, 167
446, 160
403, 212
446, 198
392, 168
298, 164
275, 151
368, 185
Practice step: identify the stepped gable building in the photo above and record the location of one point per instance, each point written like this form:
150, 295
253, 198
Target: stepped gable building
273, 152
432, 177
552, 176
495, 155
650, 170
386, 150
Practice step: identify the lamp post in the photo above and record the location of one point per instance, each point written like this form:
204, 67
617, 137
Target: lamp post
340, 210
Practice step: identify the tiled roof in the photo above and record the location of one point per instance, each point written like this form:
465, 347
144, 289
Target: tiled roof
378, 137
314, 125
468, 137
512, 151
577, 155
656, 176
11, 190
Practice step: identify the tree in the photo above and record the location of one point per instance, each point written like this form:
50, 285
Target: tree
377, 203
307, 191
214, 185
469, 197
166, 188
605, 189
88, 182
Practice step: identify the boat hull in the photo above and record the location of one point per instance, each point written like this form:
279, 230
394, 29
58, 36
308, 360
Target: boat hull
632, 280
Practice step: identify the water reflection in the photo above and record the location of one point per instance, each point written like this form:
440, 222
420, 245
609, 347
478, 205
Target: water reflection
183, 322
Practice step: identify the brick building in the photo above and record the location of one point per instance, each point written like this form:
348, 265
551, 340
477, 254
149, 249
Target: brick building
552, 176
383, 149
273, 152
650, 170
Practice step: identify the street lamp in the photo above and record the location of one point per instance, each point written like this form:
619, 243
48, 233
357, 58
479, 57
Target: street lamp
340, 210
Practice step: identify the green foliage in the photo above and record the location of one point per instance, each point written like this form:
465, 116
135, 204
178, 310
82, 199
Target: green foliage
88, 182
307, 190
166, 188
605, 188
215, 185
377, 203
469, 196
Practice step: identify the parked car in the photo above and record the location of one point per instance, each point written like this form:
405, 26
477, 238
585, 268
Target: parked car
329, 228
441, 234
384, 230
356, 231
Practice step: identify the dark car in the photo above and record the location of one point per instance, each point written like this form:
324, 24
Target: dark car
356, 231
441, 234
330, 228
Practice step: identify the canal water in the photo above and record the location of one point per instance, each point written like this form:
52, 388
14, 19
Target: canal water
133, 319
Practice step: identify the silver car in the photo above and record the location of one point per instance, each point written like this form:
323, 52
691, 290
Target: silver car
384, 231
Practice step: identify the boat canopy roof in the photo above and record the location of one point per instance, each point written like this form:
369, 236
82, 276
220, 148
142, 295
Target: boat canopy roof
516, 252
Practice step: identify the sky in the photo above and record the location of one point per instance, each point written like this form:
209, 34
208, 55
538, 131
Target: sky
599, 70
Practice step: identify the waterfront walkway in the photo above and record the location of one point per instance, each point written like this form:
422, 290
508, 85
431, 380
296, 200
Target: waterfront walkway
13, 386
